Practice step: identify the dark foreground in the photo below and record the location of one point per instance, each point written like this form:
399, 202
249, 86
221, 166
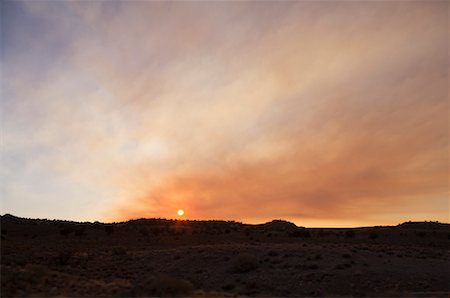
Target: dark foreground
221, 259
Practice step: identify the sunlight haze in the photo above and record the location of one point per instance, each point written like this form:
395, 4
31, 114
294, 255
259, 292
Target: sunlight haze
320, 113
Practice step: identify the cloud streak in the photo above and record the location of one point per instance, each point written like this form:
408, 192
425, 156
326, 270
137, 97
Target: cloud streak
248, 111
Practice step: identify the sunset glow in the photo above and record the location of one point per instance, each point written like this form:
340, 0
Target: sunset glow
242, 110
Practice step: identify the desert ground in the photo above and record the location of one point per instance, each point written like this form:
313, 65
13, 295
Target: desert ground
158, 257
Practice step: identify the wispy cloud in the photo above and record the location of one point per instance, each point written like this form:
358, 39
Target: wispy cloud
245, 111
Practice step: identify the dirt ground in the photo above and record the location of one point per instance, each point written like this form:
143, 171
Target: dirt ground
155, 257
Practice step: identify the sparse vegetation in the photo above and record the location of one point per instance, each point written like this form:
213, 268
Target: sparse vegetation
144, 231
119, 251
156, 231
228, 287
244, 263
210, 262
66, 231
164, 286
109, 229
272, 253
349, 234
373, 235
421, 234
343, 266
302, 233
79, 232
64, 257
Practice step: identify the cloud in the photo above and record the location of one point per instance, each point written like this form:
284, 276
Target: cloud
243, 111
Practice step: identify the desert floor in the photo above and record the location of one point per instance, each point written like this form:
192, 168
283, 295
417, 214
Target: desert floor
153, 257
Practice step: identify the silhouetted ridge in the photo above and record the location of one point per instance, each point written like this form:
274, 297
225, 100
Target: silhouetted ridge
280, 225
426, 225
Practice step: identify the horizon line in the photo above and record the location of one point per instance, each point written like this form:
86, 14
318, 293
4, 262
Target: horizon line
220, 220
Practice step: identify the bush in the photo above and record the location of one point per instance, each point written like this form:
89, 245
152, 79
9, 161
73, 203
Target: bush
349, 234
165, 286
63, 257
144, 232
421, 234
343, 266
156, 231
228, 287
109, 229
244, 264
119, 251
66, 231
20, 259
373, 235
272, 253
300, 233
79, 232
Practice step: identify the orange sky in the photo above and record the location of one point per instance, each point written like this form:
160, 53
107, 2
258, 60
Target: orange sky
321, 113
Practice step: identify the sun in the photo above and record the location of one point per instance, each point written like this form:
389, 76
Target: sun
180, 212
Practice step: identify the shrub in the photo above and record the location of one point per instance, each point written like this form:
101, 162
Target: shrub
343, 266
373, 235
109, 229
97, 225
19, 259
63, 257
228, 287
66, 231
119, 251
421, 234
156, 231
272, 253
300, 233
79, 232
143, 231
166, 286
244, 263
349, 234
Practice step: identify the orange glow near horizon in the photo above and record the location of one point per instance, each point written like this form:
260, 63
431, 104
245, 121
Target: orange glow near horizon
243, 110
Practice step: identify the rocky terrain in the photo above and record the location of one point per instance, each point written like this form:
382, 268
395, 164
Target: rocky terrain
157, 257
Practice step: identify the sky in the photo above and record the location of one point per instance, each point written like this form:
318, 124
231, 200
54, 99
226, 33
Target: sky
326, 114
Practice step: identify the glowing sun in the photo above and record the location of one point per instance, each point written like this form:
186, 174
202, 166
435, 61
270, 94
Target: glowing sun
180, 212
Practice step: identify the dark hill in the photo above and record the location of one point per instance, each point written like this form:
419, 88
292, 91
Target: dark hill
160, 257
